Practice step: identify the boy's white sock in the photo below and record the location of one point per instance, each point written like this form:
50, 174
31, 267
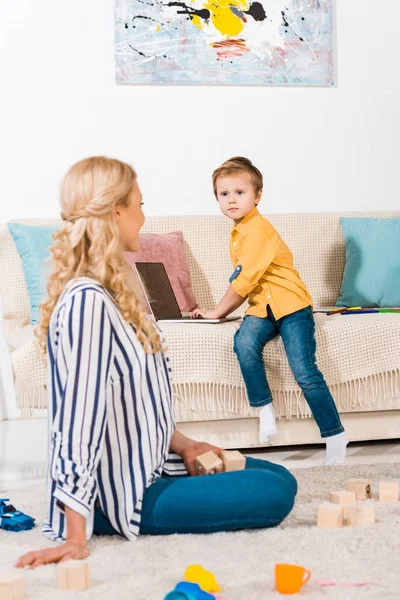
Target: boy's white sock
335, 449
267, 423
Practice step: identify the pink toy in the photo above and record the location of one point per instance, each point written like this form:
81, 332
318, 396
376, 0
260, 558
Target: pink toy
326, 582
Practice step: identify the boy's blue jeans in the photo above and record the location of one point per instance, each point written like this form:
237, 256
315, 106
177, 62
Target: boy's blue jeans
260, 496
297, 331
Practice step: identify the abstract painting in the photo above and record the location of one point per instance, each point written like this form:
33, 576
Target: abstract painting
251, 42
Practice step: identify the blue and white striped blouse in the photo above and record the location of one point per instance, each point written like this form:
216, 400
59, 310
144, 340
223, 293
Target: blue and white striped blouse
110, 413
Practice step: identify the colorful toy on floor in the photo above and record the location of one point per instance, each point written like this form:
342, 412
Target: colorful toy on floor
330, 516
342, 497
289, 579
12, 519
12, 586
388, 491
205, 579
347, 506
328, 582
73, 575
360, 487
188, 591
360, 514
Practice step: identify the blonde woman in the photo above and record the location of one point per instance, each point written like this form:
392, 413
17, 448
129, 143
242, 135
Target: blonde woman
117, 465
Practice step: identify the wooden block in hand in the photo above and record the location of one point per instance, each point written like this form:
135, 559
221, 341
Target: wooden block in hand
330, 516
360, 514
388, 491
360, 487
12, 586
342, 497
233, 460
73, 575
208, 463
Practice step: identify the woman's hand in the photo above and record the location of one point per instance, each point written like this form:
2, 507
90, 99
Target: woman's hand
204, 314
195, 449
68, 550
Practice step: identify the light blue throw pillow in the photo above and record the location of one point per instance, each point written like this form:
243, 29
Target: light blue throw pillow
33, 245
372, 272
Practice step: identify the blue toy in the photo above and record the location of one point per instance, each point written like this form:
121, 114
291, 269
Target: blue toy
188, 591
12, 519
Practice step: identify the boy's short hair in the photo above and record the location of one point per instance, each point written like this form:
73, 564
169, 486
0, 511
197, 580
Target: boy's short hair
235, 165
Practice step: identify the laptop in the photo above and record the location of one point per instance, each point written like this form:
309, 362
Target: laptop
160, 297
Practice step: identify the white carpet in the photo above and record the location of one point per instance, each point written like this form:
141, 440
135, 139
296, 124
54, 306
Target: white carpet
244, 561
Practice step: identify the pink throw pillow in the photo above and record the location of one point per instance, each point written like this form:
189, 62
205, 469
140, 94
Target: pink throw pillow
169, 249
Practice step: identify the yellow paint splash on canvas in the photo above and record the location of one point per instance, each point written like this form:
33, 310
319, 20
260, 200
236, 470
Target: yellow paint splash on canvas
223, 18
197, 22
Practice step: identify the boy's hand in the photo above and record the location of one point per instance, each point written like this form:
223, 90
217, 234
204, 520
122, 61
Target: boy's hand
198, 313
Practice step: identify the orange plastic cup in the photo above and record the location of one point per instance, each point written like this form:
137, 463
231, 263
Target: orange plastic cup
289, 579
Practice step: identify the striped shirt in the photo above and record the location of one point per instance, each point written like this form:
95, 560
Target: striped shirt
110, 413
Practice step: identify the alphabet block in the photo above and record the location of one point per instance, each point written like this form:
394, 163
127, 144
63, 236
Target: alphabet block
207, 463
12, 586
360, 487
388, 491
360, 514
233, 460
342, 497
330, 516
73, 575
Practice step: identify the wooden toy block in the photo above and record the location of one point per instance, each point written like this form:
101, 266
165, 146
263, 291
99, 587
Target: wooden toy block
233, 460
360, 487
360, 514
388, 491
342, 497
73, 575
330, 516
207, 463
12, 586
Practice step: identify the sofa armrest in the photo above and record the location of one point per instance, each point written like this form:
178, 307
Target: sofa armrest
8, 399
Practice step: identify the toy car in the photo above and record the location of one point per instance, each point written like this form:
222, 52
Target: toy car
12, 519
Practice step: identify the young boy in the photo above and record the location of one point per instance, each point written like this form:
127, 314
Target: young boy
279, 303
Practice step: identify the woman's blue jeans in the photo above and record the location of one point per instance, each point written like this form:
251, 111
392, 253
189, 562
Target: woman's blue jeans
260, 496
297, 331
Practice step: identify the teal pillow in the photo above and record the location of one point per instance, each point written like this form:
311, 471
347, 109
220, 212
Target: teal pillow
33, 245
372, 272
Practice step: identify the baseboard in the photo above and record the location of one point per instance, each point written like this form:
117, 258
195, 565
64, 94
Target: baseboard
243, 433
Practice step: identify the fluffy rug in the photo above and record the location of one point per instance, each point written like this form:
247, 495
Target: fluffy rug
244, 561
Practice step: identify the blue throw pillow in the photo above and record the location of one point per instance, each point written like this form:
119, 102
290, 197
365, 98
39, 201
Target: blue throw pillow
372, 272
33, 245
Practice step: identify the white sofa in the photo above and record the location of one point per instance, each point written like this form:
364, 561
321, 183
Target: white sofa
210, 399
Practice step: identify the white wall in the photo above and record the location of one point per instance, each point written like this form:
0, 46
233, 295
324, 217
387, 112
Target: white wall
320, 149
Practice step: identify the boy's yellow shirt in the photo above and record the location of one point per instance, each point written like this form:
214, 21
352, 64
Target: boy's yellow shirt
264, 270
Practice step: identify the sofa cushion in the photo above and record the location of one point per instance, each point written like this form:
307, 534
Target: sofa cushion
316, 241
33, 245
169, 249
372, 272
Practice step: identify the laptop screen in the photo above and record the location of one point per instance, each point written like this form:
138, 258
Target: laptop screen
159, 290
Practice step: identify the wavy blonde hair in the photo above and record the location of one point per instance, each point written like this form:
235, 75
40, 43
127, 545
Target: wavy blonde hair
87, 244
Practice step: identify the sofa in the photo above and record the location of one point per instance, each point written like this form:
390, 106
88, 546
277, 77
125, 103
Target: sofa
359, 355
